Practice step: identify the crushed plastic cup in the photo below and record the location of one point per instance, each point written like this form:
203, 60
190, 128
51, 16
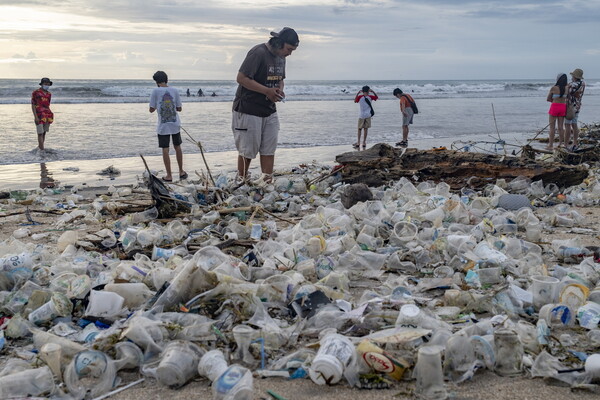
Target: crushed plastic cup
509, 353
11, 262
543, 289
104, 304
134, 294
179, 363
166, 254
229, 383
127, 356
588, 315
236, 383
90, 371
58, 306
429, 375
27, 383
51, 354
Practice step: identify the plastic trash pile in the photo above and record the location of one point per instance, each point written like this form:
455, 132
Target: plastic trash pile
419, 286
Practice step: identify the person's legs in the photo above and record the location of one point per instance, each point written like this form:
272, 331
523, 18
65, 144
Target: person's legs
552, 122
358, 138
41, 140
41, 129
167, 161
179, 154
365, 138
268, 145
405, 133
242, 166
561, 131
567, 132
575, 132
247, 136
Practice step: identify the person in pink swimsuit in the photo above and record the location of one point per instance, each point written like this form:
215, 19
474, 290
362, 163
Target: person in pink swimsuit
558, 109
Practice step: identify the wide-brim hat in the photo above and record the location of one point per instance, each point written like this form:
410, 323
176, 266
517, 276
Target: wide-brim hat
288, 35
45, 81
577, 73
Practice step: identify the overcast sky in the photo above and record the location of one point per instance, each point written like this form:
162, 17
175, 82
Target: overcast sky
339, 39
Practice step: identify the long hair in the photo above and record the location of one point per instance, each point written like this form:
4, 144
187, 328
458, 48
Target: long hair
561, 82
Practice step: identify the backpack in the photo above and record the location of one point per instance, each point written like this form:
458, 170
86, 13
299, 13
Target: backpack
370, 106
413, 105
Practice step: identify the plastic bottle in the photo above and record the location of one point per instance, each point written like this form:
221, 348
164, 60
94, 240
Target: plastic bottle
336, 358
229, 383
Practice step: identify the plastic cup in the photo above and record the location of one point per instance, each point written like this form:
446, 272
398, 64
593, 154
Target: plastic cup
405, 231
243, 335
429, 374
592, 366
90, 371
488, 276
58, 306
409, 316
509, 353
533, 232
543, 289
179, 363
212, 365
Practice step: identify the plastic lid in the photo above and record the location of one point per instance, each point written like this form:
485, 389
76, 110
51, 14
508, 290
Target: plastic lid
326, 369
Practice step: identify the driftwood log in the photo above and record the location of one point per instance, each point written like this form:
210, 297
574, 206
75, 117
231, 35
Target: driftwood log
383, 163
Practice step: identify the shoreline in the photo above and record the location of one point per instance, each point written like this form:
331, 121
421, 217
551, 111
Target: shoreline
33, 175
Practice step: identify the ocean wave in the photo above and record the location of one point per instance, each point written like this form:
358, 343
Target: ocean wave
133, 91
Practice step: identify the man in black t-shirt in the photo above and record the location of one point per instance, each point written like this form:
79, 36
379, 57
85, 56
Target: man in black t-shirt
255, 123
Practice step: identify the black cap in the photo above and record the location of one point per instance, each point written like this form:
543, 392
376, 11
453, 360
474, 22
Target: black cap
45, 81
288, 35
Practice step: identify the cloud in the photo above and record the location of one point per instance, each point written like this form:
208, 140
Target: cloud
339, 39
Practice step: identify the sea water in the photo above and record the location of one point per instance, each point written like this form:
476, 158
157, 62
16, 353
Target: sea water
96, 119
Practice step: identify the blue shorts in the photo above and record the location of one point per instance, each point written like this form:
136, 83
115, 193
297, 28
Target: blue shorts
572, 121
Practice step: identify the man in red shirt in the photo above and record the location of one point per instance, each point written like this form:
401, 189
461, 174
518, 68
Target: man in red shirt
40, 105
407, 114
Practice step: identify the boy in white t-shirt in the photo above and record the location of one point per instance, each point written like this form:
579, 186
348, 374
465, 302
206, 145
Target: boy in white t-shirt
165, 100
364, 98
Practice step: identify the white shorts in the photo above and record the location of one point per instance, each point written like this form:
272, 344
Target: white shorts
254, 134
42, 128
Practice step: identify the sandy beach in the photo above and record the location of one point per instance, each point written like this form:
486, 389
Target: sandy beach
485, 385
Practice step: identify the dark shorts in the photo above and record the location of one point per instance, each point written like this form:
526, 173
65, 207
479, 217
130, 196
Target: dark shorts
163, 140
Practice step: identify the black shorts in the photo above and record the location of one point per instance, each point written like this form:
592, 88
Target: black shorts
163, 140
